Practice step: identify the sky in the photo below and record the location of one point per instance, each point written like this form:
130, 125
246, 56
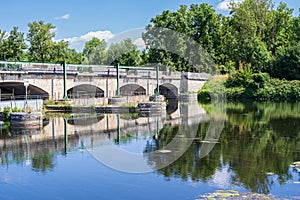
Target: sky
77, 21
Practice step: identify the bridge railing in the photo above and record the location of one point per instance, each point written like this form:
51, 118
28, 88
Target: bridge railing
9, 97
34, 104
98, 70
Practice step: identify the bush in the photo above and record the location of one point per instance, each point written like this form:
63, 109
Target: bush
214, 88
6, 112
239, 79
204, 96
287, 63
235, 93
259, 86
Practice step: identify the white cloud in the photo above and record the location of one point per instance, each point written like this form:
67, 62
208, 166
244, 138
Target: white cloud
224, 5
78, 42
135, 35
65, 17
139, 43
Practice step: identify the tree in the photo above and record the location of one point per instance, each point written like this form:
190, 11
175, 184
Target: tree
279, 28
249, 25
2, 45
95, 51
40, 37
199, 24
15, 46
124, 53
296, 29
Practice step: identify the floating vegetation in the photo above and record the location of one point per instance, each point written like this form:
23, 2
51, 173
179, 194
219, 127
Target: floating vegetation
209, 142
234, 195
164, 151
296, 166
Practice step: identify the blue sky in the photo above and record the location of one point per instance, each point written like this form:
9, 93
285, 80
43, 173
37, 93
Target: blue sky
79, 20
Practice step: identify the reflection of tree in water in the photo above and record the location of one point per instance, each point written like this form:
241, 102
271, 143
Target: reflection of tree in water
167, 133
255, 143
254, 146
42, 162
189, 165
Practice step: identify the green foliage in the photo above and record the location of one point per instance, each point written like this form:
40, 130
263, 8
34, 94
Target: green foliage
8, 110
95, 51
40, 37
6, 113
287, 63
198, 22
12, 45
125, 53
260, 86
43, 48
245, 85
212, 89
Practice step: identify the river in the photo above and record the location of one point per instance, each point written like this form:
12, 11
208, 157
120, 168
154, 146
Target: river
245, 147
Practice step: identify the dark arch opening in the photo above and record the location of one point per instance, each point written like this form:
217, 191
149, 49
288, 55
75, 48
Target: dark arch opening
17, 91
85, 91
168, 90
171, 94
132, 90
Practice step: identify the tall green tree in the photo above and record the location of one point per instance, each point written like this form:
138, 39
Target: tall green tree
249, 22
124, 53
15, 46
296, 29
279, 28
199, 23
95, 51
40, 37
2, 45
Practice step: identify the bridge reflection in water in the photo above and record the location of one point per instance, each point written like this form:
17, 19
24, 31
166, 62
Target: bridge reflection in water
83, 132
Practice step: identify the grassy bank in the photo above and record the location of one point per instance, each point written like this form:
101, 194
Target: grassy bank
245, 85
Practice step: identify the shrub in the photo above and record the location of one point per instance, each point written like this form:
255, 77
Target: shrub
214, 88
258, 86
6, 112
287, 63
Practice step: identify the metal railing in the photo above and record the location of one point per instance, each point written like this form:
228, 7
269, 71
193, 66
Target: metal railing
34, 104
11, 97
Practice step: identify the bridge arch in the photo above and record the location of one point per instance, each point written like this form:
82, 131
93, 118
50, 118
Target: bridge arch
85, 90
132, 90
169, 90
16, 90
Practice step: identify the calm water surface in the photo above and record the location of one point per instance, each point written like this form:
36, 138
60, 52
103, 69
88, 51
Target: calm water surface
254, 153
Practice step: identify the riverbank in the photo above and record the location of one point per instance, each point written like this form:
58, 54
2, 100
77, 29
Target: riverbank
243, 86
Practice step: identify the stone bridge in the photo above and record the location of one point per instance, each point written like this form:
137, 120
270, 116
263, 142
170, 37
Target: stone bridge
51, 81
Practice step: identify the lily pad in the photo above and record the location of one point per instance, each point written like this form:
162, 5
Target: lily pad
234, 195
164, 151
